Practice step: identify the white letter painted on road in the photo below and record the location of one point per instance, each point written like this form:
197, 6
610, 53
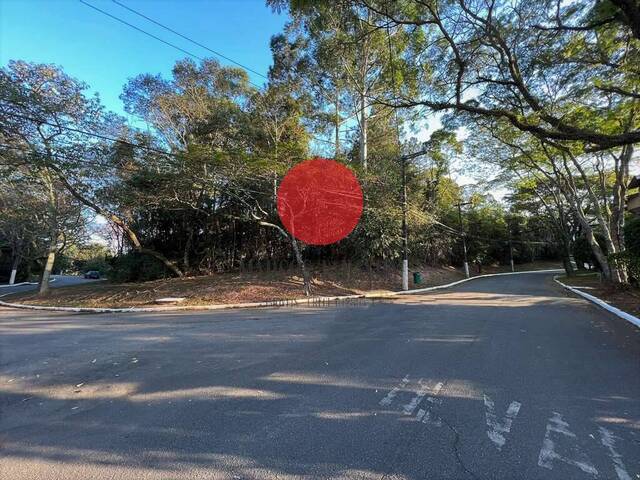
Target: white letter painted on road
428, 416
608, 439
388, 399
496, 430
548, 452
415, 401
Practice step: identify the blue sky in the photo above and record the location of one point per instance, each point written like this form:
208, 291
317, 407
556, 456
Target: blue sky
105, 53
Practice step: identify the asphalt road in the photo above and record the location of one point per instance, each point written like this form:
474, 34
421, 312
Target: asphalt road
499, 378
60, 281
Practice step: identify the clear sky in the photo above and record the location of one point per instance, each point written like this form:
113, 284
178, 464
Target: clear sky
105, 53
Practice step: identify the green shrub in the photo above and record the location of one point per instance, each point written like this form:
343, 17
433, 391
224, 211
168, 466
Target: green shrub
136, 267
632, 236
630, 262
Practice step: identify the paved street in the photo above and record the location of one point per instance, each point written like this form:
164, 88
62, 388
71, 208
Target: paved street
505, 377
59, 281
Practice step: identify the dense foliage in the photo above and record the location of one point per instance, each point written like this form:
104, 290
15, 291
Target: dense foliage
541, 99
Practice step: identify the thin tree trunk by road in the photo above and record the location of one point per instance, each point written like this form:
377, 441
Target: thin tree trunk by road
43, 287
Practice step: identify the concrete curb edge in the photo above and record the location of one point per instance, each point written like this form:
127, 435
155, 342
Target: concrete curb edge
24, 283
601, 303
270, 303
438, 287
228, 306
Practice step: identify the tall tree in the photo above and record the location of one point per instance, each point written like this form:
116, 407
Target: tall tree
563, 72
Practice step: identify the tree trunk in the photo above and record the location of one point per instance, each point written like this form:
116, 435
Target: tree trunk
363, 132
306, 279
337, 124
131, 235
612, 272
43, 288
187, 249
14, 268
568, 267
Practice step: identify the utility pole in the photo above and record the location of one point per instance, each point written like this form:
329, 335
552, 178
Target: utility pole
464, 237
513, 269
405, 230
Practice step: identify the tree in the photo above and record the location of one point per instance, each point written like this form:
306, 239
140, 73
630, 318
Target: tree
47, 115
592, 185
563, 73
349, 60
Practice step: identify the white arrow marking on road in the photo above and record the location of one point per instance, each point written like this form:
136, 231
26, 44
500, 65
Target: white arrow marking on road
388, 399
497, 430
608, 439
548, 453
415, 401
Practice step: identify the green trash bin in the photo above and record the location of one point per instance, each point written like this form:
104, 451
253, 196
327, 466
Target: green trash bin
417, 278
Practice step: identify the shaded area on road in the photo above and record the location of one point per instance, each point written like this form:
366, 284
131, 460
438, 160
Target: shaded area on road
296, 392
56, 282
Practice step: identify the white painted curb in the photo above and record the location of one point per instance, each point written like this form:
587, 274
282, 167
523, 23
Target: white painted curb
438, 287
601, 303
24, 283
18, 284
228, 306
271, 303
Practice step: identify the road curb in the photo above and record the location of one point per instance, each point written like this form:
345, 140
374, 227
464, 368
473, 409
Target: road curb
24, 283
271, 303
601, 303
18, 284
464, 280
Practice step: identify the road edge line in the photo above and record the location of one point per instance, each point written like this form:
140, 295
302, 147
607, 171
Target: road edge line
601, 303
458, 282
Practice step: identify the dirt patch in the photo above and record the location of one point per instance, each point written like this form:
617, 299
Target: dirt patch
626, 298
227, 288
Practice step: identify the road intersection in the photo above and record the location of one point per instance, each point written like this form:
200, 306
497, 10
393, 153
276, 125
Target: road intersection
502, 377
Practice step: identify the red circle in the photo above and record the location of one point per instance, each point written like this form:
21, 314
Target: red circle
320, 201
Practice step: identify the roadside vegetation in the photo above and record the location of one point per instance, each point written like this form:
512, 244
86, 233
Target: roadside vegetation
538, 101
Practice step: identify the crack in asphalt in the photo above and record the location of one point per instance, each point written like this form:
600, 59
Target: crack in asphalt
456, 451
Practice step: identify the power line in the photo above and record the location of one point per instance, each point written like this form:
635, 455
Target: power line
186, 51
118, 19
92, 134
188, 39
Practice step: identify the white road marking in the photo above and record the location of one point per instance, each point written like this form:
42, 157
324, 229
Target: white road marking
415, 401
608, 439
388, 399
548, 453
429, 417
420, 414
497, 430
432, 419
